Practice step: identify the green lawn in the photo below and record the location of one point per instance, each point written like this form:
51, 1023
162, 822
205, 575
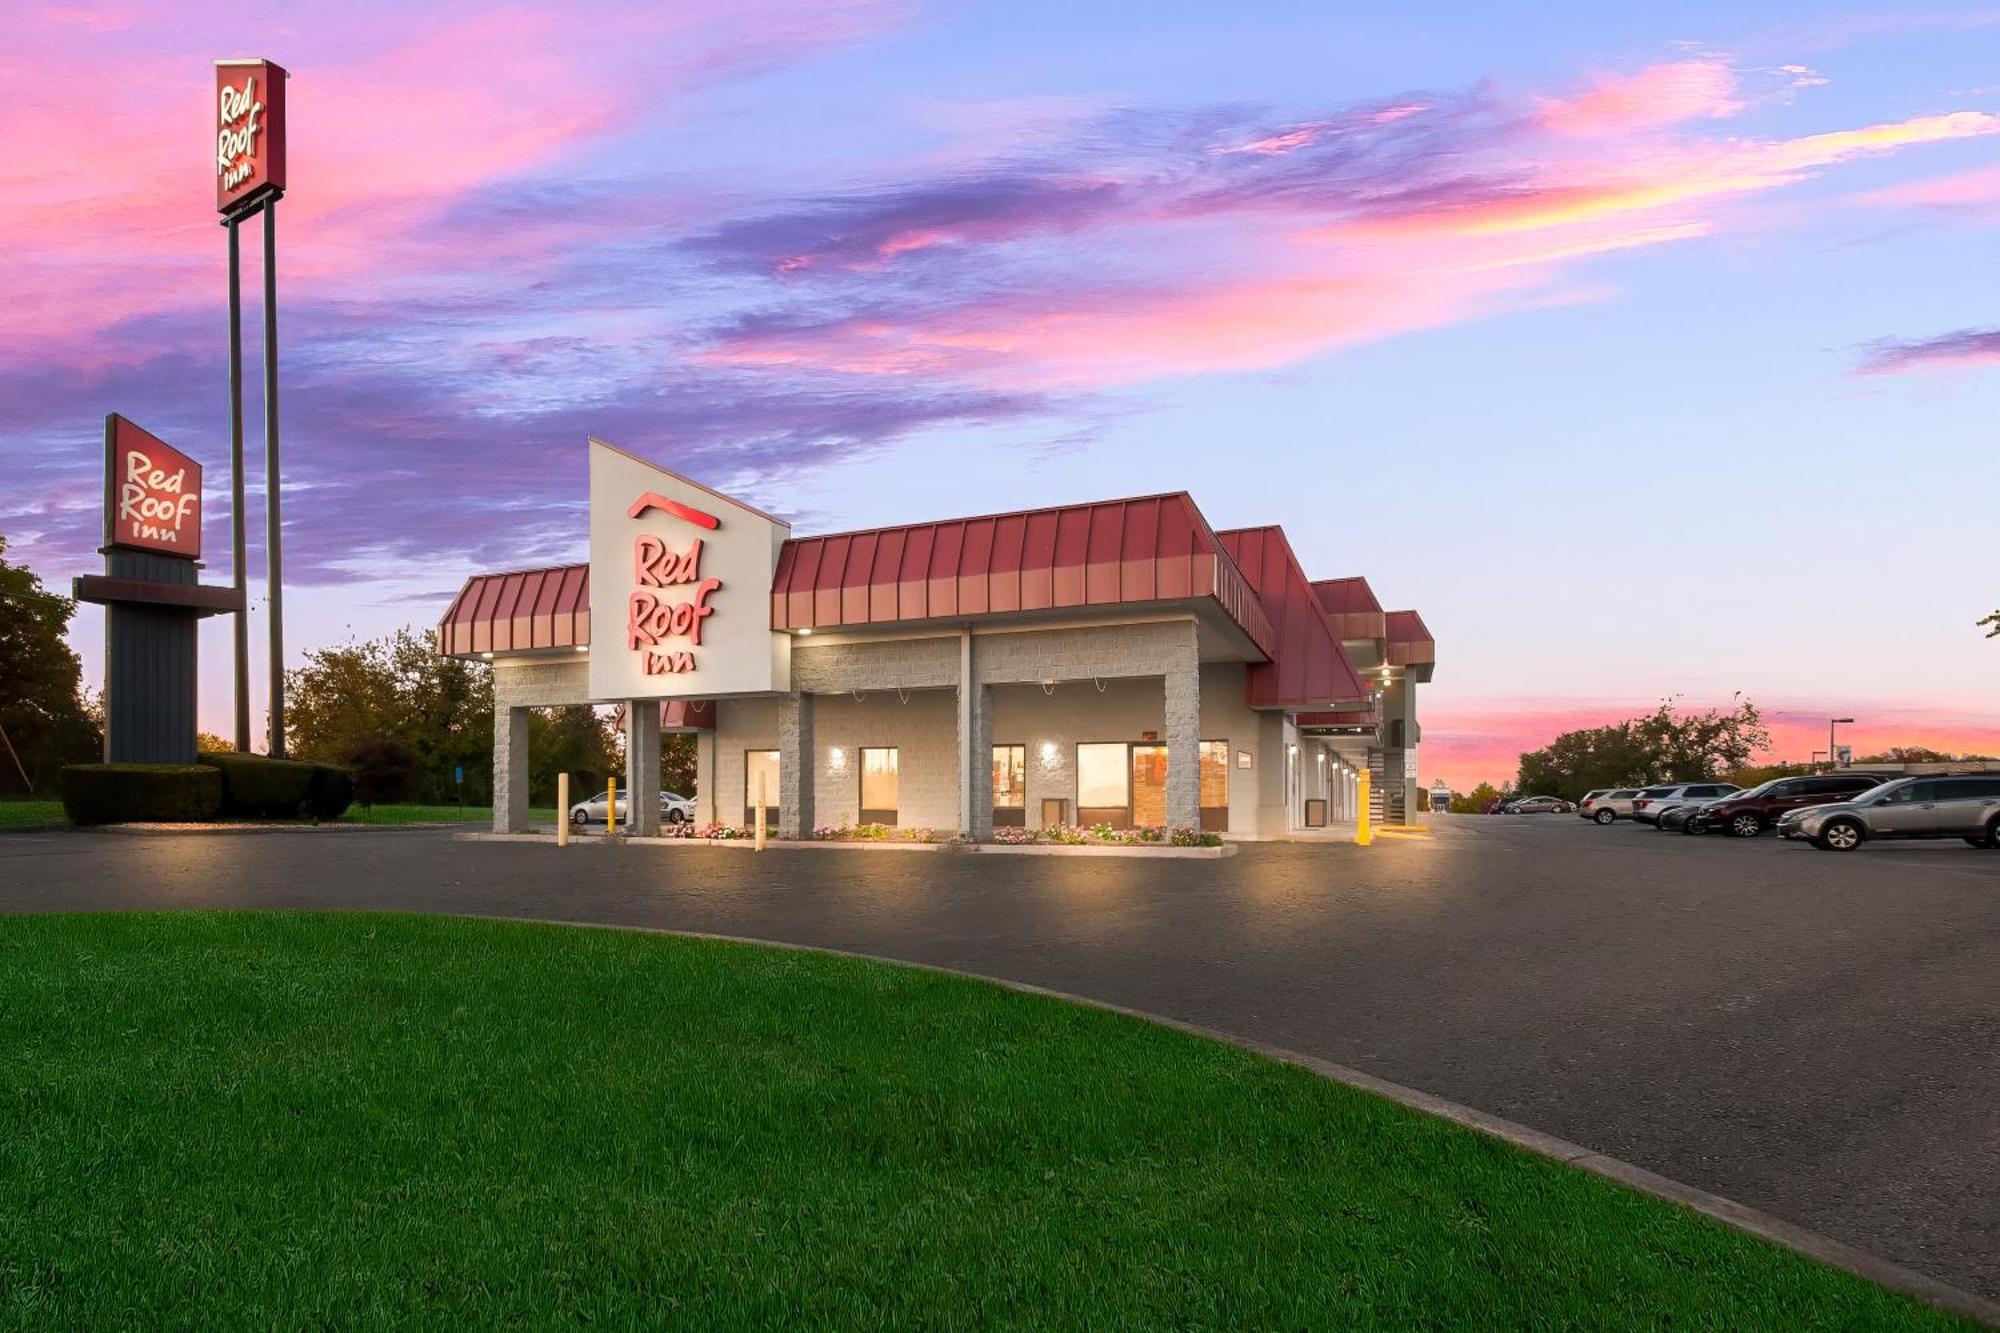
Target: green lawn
280, 1120
26, 814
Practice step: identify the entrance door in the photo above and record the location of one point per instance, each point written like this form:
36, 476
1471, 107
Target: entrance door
880, 787
1149, 786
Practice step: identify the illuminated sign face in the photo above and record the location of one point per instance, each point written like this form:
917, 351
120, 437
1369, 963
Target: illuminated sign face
680, 587
664, 612
249, 132
152, 496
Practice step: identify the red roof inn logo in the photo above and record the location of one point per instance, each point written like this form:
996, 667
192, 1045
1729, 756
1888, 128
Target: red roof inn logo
650, 619
154, 500
250, 132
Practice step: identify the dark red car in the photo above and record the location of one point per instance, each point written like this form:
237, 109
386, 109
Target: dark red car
1748, 813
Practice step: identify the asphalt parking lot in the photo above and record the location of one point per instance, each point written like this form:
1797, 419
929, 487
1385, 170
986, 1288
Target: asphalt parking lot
1814, 1034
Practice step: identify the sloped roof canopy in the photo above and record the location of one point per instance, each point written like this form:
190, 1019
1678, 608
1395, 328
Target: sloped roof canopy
526, 610
1117, 552
1309, 668
1351, 607
1410, 641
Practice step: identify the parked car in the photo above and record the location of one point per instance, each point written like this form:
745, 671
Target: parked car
674, 809
1680, 819
1501, 806
1748, 813
1652, 802
1920, 807
1606, 807
1540, 805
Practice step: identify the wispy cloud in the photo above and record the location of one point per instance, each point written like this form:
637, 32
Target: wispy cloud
1957, 350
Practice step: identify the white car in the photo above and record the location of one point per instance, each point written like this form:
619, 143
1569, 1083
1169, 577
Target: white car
673, 809
1608, 806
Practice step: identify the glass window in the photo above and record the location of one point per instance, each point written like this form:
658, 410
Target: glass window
1010, 777
1214, 774
1968, 789
759, 764
1102, 776
878, 785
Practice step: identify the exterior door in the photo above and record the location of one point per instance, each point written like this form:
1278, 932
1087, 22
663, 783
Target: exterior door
1149, 786
881, 787
1010, 786
1104, 784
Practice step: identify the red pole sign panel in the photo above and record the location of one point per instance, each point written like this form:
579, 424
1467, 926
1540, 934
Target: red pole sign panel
250, 133
152, 492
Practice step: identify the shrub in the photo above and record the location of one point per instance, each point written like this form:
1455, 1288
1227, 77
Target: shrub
256, 786
383, 769
124, 793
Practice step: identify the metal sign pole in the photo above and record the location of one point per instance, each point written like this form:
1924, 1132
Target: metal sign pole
237, 524
273, 521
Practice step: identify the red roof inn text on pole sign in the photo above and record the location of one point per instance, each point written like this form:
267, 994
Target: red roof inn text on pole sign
152, 493
249, 134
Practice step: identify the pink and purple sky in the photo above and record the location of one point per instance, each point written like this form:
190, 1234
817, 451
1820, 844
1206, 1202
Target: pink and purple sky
1647, 354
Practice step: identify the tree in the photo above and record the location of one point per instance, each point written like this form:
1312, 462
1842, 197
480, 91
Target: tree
207, 742
1994, 621
400, 686
577, 740
1666, 745
1475, 801
383, 769
43, 712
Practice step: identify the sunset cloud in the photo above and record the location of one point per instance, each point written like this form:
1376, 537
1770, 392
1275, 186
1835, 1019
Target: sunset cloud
1946, 351
1667, 94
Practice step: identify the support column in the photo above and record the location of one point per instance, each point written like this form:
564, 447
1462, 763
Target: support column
642, 765
510, 770
704, 777
795, 765
1183, 736
975, 747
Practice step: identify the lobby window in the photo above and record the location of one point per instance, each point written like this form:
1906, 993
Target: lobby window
1010, 786
1103, 784
879, 785
756, 764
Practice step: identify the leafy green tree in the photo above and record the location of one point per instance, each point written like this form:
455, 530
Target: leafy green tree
1994, 621
677, 763
1475, 801
1666, 745
44, 714
384, 769
399, 685
577, 740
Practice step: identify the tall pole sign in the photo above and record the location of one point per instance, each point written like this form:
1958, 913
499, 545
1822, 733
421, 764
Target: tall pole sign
250, 178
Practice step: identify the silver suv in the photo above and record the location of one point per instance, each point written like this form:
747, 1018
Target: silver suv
1920, 807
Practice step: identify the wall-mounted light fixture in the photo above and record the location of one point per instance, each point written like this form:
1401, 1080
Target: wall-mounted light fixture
1049, 754
836, 759
803, 630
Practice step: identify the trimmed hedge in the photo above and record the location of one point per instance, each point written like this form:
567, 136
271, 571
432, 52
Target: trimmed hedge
125, 793
259, 787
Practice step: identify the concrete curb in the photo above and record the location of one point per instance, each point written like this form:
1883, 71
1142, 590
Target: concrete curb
211, 830
1801, 1240
1140, 850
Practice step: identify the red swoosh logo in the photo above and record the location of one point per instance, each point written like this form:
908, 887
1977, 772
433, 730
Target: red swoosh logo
653, 500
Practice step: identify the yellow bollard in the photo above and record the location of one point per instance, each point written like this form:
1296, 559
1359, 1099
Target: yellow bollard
562, 809
760, 811
1362, 835
610, 807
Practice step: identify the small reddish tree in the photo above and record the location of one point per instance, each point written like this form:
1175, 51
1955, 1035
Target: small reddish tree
384, 769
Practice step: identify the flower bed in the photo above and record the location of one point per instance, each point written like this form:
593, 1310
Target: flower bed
1072, 835
879, 833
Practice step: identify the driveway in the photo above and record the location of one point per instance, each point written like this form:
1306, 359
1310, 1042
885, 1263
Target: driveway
1815, 1035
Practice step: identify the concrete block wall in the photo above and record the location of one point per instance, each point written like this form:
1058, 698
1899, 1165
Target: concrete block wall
922, 726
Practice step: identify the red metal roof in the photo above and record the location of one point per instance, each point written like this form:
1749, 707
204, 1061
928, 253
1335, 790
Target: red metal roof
518, 612
1308, 667
1352, 717
1153, 548
687, 714
1410, 641
1351, 607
